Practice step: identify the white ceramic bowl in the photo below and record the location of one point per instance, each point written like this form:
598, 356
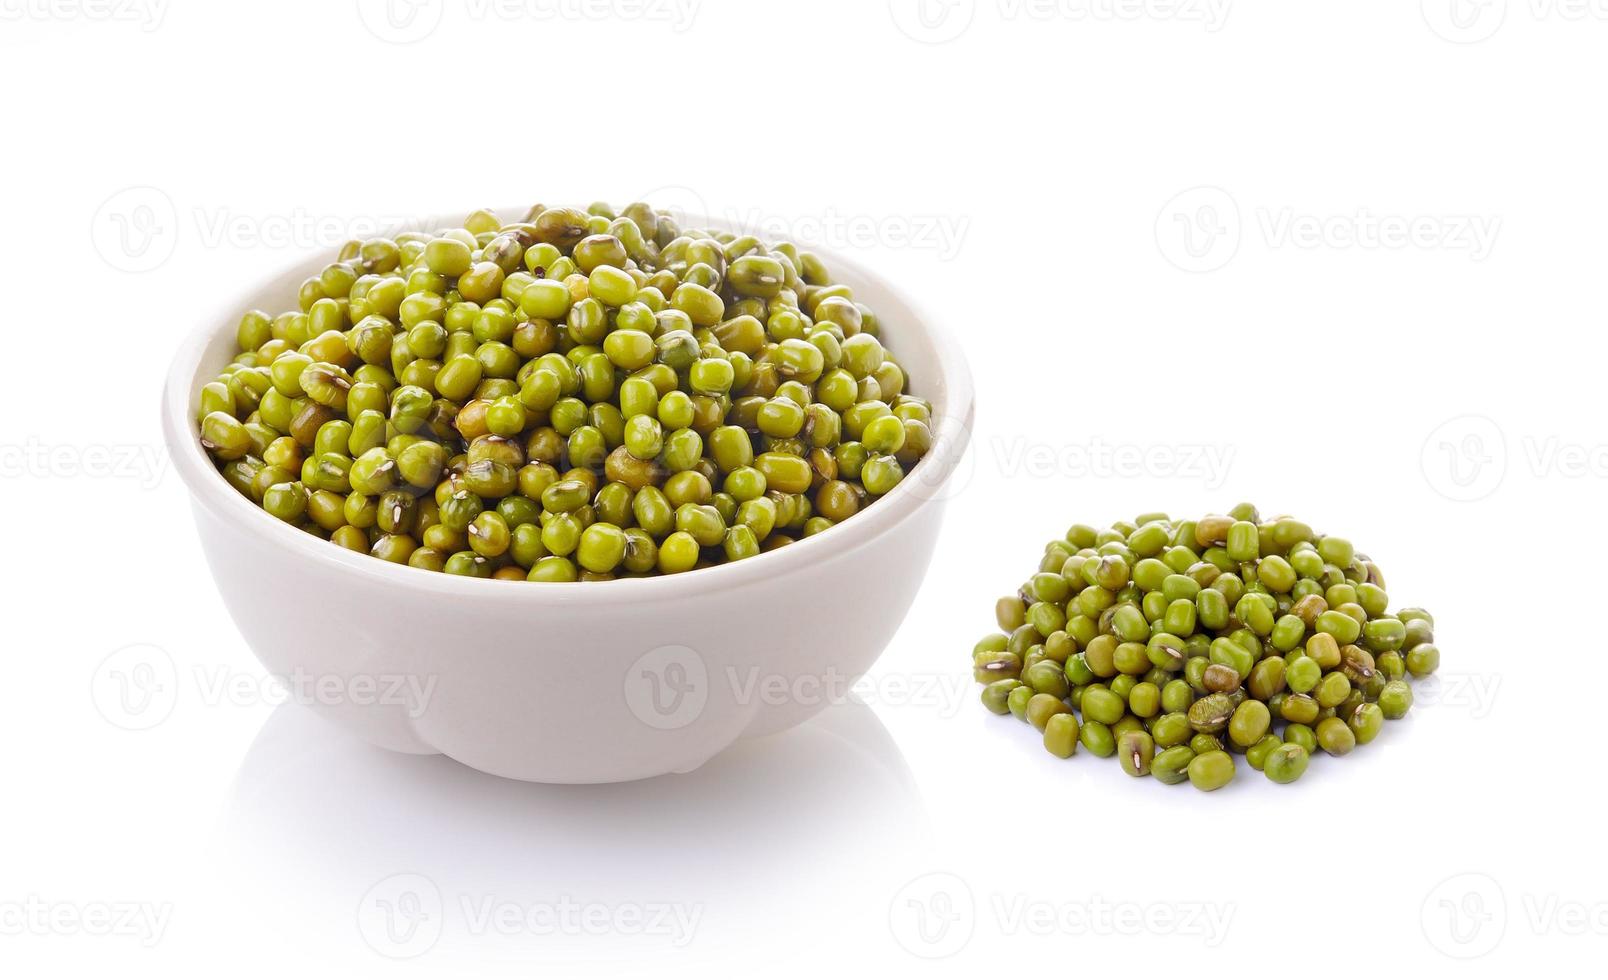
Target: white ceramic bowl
573, 682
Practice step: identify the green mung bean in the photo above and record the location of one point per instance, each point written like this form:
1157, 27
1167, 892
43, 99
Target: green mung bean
1173, 645
501, 360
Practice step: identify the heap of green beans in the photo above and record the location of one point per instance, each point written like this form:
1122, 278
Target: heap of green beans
580, 395
1177, 645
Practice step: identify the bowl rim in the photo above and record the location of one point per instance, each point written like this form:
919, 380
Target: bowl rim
954, 413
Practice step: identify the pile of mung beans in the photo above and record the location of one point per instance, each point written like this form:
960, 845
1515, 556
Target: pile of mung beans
580, 395
1176, 645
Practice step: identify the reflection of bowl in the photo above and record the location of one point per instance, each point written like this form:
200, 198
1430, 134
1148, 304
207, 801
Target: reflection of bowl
573, 682
314, 823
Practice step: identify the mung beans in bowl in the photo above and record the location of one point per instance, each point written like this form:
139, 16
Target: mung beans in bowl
568, 481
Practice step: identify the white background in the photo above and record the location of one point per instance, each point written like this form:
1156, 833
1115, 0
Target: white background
1351, 253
